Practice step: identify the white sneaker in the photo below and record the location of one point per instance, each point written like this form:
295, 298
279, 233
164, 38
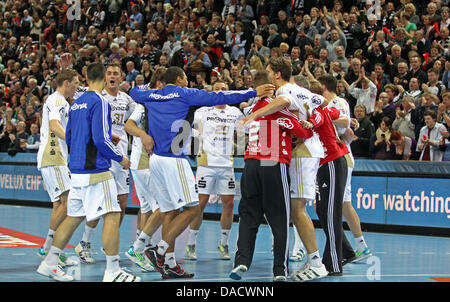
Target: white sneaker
237, 272
190, 253
120, 276
83, 251
54, 272
297, 256
279, 279
308, 272
65, 261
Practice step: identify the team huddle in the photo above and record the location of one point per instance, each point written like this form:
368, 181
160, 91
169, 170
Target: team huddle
298, 150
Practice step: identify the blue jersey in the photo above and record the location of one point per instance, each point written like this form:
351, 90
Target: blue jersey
88, 135
171, 113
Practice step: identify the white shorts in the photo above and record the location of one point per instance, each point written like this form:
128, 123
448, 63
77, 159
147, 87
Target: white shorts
215, 180
56, 180
348, 186
173, 182
303, 172
141, 180
121, 177
93, 201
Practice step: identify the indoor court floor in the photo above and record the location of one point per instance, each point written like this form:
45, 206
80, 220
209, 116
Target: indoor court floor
396, 257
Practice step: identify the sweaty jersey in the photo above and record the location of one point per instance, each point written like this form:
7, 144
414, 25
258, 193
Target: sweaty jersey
122, 106
270, 136
217, 128
303, 102
171, 113
88, 135
139, 157
53, 150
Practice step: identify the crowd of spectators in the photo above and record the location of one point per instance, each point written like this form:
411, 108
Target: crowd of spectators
391, 58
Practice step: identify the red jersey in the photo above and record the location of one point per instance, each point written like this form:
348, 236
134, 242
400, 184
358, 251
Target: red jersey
270, 137
323, 125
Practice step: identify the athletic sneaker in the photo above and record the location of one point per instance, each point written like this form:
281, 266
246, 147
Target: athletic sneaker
238, 271
348, 260
55, 272
120, 276
279, 279
190, 252
63, 260
155, 259
176, 272
140, 260
224, 253
83, 251
297, 256
362, 255
308, 272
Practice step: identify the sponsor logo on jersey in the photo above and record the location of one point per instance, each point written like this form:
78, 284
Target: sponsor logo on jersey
286, 123
78, 106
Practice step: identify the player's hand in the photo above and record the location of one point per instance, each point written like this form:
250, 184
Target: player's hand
125, 163
148, 143
266, 90
244, 122
115, 139
306, 124
354, 123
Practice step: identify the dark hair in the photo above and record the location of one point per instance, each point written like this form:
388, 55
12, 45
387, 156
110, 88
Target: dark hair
329, 82
158, 75
65, 75
431, 113
172, 74
95, 72
261, 77
283, 66
387, 121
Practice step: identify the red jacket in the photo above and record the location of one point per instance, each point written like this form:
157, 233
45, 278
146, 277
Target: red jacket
270, 137
323, 125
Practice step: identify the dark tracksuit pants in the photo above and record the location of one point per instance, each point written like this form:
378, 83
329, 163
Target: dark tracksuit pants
331, 181
265, 192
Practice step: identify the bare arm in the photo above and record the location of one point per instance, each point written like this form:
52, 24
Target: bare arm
56, 128
276, 105
147, 141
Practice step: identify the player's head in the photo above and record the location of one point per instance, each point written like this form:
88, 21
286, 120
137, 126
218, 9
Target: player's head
220, 85
113, 76
67, 81
261, 77
301, 81
328, 82
157, 80
316, 87
95, 73
176, 76
279, 69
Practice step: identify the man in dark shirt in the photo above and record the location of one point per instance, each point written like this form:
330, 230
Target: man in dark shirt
360, 144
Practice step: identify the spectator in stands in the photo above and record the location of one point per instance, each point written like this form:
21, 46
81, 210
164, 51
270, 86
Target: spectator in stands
131, 72
444, 145
414, 89
433, 85
416, 70
33, 140
136, 16
380, 78
5, 136
425, 103
380, 142
274, 39
430, 137
18, 139
404, 147
402, 120
382, 108
366, 95
443, 113
361, 139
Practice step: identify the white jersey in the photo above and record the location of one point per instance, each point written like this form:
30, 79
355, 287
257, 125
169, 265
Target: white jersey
216, 127
303, 102
53, 150
344, 111
122, 106
139, 157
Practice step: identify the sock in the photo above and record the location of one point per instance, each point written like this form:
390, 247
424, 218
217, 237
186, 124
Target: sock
87, 235
170, 260
314, 259
360, 244
162, 247
112, 263
138, 232
48, 240
298, 243
53, 256
192, 237
139, 243
224, 237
